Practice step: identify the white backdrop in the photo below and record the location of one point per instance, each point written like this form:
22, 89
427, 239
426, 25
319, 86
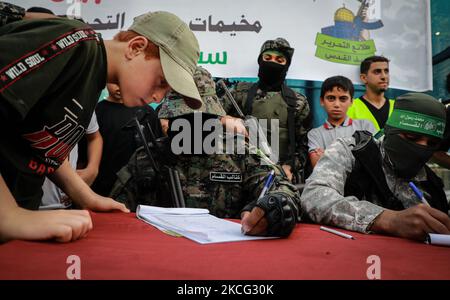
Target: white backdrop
231, 32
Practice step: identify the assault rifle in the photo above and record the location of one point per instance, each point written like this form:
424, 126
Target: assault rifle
167, 177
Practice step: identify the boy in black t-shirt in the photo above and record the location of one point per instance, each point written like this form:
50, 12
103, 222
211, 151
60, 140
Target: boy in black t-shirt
120, 139
51, 74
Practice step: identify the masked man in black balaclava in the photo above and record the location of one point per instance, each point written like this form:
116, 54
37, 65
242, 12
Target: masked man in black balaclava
364, 185
272, 100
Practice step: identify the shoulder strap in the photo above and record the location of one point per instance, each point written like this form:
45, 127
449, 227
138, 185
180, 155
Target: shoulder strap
368, 157
290, 98
250, 96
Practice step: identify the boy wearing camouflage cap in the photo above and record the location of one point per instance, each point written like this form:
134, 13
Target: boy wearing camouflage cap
229, 184
270, 98
363, 185
49, 86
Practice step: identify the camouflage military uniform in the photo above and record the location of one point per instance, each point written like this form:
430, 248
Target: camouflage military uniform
225, 184
10, 13
222, 183
270, 105
323, 197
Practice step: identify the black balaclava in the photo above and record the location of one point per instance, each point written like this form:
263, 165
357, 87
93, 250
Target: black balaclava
272, 75
418, 114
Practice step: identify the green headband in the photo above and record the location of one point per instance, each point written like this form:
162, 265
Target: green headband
416, 122
271, 51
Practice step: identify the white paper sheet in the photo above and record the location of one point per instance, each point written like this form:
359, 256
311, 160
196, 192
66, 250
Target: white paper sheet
195, 224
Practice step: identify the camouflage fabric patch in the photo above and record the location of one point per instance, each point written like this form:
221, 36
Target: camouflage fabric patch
279, 44
10, 13
174, 104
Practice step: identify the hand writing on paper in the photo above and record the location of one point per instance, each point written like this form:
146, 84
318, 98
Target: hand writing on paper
412, 223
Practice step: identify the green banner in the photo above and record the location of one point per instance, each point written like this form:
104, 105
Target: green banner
343, 51
339, 57
415, 122
345, 46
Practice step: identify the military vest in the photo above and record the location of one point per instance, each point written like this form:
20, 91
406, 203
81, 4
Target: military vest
275, 106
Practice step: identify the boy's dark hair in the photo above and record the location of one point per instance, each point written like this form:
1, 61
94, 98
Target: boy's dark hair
365, 64
337, 81
38, 9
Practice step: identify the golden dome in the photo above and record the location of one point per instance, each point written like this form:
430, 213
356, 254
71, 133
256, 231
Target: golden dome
344, 15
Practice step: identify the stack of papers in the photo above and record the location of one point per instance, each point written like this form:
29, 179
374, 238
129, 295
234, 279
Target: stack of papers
194, 223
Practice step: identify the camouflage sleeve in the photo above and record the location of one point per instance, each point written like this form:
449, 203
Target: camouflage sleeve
323, 197
257, 168
10, 13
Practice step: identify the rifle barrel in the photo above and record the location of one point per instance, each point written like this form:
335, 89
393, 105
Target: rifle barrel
231, 98
144, 141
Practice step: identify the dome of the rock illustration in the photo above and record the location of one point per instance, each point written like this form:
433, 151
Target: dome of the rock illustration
344, 15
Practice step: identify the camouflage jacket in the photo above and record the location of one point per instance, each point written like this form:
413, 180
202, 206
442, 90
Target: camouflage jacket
10, 13
222, 183
323, 198
240, 93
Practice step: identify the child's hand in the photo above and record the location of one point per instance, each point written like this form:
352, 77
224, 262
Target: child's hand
59, 225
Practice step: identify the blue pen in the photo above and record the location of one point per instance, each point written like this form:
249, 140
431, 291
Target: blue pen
418, 193
267, 184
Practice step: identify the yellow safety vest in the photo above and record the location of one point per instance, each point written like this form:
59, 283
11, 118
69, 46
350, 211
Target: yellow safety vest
359, 110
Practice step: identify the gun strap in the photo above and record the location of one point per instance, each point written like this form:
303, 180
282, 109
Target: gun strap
250, 96
291, 99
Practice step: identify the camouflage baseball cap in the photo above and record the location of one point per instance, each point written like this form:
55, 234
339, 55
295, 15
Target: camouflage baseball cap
174, 104
278, 44
178, 49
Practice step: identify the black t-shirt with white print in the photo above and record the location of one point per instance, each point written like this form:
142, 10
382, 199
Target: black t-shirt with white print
52, 72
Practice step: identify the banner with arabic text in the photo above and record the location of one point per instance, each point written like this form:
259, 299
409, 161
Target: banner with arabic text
330, 37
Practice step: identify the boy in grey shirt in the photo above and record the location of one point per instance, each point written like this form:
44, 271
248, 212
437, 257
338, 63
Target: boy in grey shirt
336, 97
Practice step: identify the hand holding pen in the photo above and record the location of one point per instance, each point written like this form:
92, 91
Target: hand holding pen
254, 222
414, 222
418, 193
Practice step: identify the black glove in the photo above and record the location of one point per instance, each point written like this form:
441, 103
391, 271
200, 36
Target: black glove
281, 213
